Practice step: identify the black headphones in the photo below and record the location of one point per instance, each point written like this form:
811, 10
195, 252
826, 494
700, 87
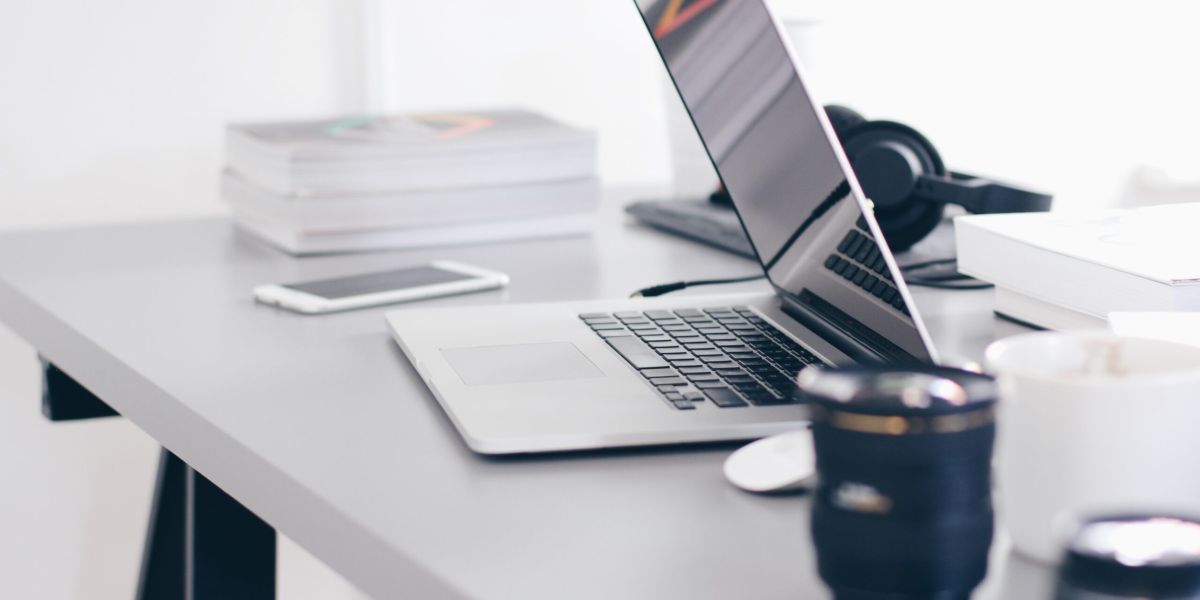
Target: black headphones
903, 175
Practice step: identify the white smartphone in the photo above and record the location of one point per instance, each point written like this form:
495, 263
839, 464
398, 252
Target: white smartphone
440, 278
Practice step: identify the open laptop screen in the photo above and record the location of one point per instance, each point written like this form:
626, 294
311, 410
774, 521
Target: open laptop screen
793, 190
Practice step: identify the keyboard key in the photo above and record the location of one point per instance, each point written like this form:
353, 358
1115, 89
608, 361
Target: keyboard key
736, 379
659, 373
858, 242
667, 380
879, 265
683, 404
722, 337
724, 397
688, 312
730, 372
613, 333
659, 315
694, 396
642, 326
667, 389
699, 346
871, 257
846, 241
656, 338
863, 252
679, 327
683, 363
698, 378
831, 262
606, 326
673, 395
709, 352
666, 347
672, 356
595, 315
704, 385
639, 355
627, 314
695, 371
689, 338
721, 364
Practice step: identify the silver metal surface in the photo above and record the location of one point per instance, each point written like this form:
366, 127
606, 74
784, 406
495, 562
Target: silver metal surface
613, 407
320, 426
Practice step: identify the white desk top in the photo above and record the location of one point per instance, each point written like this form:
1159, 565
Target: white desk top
320, 426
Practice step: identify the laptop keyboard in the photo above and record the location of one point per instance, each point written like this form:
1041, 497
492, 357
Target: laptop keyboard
859, 261
730, 357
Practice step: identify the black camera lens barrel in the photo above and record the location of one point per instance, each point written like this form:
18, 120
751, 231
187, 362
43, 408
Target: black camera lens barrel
903, 504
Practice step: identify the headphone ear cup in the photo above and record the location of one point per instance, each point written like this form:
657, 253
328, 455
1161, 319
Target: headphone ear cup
888, 158
843, 119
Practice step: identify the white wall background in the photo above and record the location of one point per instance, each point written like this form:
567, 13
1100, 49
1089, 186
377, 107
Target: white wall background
113, 110
1065, 96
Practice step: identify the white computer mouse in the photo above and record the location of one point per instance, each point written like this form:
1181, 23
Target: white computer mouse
780, 463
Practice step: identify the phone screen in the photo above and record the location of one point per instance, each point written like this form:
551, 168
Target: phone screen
371, 283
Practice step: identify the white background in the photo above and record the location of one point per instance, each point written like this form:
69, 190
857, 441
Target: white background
113, 110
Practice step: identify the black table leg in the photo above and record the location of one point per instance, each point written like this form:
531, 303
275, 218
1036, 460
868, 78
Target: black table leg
163, 554
230, 551
63, 399
201, 544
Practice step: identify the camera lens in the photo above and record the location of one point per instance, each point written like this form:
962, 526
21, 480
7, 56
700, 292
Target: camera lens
903, 505
1143, 557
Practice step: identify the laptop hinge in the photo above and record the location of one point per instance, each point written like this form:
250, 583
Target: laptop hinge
822, 318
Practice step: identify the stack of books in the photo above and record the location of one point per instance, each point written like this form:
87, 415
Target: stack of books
400, 181
1071, 271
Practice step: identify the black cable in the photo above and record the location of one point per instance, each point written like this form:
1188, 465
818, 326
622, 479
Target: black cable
928, 263
666, 288
941, 282
948, 286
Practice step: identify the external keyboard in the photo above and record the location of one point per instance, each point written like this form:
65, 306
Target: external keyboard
859, 261
728, 356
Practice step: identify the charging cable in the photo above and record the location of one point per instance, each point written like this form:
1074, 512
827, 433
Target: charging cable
948, 279
667, 288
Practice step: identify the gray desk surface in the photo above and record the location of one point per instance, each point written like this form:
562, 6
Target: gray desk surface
320, 426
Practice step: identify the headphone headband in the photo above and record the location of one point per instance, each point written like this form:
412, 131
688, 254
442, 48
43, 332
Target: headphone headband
979, 195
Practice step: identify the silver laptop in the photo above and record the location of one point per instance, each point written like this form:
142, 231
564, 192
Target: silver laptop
582, 375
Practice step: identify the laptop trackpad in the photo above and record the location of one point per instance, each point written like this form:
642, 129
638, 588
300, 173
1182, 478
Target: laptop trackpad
520, 363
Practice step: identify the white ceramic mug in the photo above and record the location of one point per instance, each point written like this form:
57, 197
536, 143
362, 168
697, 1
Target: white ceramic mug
1091, 424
